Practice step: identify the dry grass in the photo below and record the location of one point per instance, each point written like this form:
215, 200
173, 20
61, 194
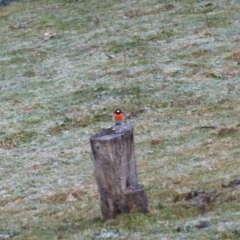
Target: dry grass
172, 66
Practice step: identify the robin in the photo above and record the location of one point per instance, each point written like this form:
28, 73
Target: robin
118, 117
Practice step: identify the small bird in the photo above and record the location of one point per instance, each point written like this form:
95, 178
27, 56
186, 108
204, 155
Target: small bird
118, 117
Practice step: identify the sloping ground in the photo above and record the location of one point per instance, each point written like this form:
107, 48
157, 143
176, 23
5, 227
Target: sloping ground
172, 66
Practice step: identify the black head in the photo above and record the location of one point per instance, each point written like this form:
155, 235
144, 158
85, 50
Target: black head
118, 111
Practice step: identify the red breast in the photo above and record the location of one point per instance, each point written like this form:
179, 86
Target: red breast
118, 116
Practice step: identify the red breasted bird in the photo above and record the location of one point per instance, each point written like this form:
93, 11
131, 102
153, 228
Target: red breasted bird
118, 116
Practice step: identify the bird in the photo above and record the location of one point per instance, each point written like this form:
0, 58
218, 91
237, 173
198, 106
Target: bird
118, 117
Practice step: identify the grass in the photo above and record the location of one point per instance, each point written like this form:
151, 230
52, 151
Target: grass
173, 67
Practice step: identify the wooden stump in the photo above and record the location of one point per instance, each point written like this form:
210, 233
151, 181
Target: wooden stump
115, 172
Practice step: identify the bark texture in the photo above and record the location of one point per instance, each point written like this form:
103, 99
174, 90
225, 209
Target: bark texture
115, 172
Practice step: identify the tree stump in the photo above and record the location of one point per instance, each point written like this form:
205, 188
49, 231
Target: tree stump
115, 172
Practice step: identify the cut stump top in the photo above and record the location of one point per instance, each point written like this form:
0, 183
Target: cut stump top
113, 132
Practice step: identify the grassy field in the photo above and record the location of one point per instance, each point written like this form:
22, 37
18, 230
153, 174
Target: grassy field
172, 66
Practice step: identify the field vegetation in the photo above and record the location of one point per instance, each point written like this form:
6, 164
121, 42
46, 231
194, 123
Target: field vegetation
173, 67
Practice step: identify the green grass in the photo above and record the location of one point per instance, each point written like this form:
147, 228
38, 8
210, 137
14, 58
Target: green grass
175, 70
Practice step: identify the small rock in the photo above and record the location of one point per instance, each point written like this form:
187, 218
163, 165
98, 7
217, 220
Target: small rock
203, 224
159, 206
203, 201
178, 229
233, 183
199, 191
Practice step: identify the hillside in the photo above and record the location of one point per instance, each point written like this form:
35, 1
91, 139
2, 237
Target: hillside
172, 66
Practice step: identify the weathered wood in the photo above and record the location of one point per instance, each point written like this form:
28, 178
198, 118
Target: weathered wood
115, 172
136, 199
